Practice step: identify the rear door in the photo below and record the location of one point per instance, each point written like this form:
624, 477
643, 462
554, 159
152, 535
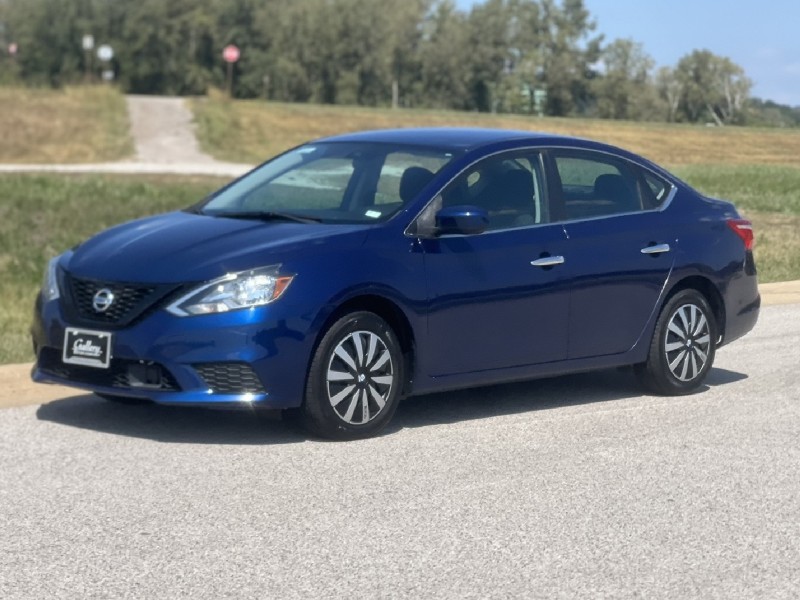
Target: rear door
621, 248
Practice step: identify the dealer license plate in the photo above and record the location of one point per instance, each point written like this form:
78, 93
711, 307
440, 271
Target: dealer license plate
87, 348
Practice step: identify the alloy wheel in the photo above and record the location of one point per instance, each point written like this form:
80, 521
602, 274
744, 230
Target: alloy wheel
359, 377
688, 342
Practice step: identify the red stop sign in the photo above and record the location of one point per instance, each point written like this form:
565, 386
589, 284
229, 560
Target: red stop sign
231, 53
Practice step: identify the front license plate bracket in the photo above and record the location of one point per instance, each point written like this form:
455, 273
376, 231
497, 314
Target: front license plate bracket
87, 348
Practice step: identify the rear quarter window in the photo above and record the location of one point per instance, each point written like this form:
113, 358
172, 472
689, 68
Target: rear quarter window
595, 184
656, 190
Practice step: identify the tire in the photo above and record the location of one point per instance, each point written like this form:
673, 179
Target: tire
683, 347
355, 379
125, 400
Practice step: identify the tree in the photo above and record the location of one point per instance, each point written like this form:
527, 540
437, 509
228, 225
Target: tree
406, 48
624, 89
768, 113
48, 33
670, 89
165, 47
568, 54
443, 67
290, 65
487, 54
517, 46
713, 87
499, 56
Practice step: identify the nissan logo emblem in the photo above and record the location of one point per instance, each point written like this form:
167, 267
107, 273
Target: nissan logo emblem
103, 300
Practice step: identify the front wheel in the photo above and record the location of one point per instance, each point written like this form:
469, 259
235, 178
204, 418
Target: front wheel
683, 347
355, 379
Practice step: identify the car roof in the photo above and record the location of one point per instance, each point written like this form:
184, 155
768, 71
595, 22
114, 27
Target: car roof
445, 137
469, 139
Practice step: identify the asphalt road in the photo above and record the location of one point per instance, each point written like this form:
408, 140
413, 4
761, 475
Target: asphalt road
569, 487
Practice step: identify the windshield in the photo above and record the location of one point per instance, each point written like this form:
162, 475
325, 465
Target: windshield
347, 182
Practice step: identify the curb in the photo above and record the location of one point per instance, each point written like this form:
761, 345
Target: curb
784, 292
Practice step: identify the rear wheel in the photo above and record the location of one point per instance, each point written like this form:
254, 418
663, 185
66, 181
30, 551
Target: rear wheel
355, 379
683, 346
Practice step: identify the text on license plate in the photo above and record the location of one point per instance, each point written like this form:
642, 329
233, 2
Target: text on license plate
87, 348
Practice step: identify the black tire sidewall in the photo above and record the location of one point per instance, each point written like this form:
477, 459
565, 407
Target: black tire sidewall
320, 417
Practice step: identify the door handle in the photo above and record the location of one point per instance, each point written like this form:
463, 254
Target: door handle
656, 249
548, 261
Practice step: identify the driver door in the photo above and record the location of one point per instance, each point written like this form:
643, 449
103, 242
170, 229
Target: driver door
490, 307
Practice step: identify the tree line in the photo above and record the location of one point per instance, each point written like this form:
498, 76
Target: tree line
521, 56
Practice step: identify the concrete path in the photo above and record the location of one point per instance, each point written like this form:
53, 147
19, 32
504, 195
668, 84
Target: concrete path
163, 133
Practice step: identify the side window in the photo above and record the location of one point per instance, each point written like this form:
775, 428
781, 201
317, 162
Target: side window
656, 190
404, 174
509, 187
595, 185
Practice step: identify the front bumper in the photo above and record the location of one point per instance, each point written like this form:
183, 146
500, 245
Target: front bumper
249, 357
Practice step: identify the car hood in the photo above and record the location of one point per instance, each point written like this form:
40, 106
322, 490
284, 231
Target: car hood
184, 247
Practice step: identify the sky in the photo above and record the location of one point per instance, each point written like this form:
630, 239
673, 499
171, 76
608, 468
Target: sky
762, 37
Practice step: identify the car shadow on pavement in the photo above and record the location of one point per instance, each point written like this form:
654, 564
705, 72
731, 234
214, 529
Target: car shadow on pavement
717, 377
183, 425
171, 424
530, 396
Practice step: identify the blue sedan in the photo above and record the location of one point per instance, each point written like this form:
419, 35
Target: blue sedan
349, 272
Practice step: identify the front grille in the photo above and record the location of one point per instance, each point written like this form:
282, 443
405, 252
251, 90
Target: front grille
230, 378
121, 373
130, 300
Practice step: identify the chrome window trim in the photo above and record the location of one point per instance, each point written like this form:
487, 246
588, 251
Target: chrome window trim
541, 149
661, 208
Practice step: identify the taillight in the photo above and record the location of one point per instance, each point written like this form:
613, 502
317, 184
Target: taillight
744, 229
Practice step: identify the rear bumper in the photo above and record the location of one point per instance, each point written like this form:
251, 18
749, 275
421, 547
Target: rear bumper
742, 302
742, 321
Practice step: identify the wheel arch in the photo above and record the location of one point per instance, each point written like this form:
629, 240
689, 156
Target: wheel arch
711, 293
387, 310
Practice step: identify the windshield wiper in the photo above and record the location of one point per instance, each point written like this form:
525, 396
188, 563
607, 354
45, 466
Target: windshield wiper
265, 215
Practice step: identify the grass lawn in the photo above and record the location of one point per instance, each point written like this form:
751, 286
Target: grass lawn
41, 216
74, 125
251, 131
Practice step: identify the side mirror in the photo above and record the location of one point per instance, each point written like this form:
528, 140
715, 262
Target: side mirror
461, 220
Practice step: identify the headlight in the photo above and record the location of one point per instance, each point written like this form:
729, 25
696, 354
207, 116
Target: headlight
232, 292
50, 284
